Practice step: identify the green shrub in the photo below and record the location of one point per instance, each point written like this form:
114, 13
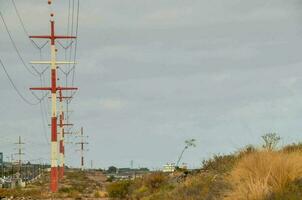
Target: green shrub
155, 180
119, 189
197, 187
220, 164
65, 190
293, 191
110, 179
225, 163
292, 148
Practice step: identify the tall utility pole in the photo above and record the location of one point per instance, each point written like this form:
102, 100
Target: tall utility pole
62, 135
12, 162
53, 88
20, 154
82, 149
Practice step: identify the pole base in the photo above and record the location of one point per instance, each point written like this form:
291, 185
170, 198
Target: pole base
54, 179
61, 172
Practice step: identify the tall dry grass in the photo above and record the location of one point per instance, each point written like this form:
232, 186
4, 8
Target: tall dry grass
260, 174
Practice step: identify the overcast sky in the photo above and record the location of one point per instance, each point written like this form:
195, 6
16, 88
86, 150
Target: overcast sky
153, 73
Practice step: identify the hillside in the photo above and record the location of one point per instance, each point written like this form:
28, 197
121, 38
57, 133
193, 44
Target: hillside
249, 174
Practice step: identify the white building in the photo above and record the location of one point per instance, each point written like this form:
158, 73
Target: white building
169, 167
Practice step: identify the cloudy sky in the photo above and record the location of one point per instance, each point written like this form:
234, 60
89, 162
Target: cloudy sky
153, 73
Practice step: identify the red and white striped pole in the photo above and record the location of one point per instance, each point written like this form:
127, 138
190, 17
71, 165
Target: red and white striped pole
82, 150
61, 164
54, 142
54, 153
53, 88
82, 143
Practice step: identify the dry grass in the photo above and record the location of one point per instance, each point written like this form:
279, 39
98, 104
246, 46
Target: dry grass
259, 175
197, 187
249, 174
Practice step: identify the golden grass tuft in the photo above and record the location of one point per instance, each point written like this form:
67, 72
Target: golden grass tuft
261, 174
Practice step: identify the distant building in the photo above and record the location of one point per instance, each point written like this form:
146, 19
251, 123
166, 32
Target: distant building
127, 173
184, 166
169, 168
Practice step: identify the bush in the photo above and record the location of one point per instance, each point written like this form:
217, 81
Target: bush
110, 179
293, 148
194, 188
197, 187
259, 175
292, 192
219, 164
155, 180
225, 163
65, 190
119, 189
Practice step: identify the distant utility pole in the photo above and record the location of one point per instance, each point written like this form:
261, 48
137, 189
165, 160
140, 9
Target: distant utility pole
82, 149
131, 164
20, 154
66, 141
62, 135
12, 163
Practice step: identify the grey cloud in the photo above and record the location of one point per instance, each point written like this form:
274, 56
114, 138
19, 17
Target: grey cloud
154, 73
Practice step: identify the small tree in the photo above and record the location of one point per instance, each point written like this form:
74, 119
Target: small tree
188, 143
112, 170
271, 141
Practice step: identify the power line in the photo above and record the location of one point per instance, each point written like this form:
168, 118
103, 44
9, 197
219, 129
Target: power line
43, 118
43, 124
68, 25
15, 46
71, 31
67, 46
32, 42
76, 43
20, 19
24, 28
15, 87
73, 69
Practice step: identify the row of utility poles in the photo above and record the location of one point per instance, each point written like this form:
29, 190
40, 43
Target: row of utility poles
20, 153
57, 117
61, 93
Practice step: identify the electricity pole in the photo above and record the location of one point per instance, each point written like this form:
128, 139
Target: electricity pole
82, 149
20, 154
62, 135
53, 88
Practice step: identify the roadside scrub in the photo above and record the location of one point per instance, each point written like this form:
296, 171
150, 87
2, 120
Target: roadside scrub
248, 174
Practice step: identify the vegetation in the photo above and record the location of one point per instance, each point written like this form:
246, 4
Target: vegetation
271, 141
265, 173
112, 169
119, 189
75, 185
188, 143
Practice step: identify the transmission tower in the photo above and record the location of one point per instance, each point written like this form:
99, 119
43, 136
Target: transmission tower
62, 135
82, 149
19, 154
53, 88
